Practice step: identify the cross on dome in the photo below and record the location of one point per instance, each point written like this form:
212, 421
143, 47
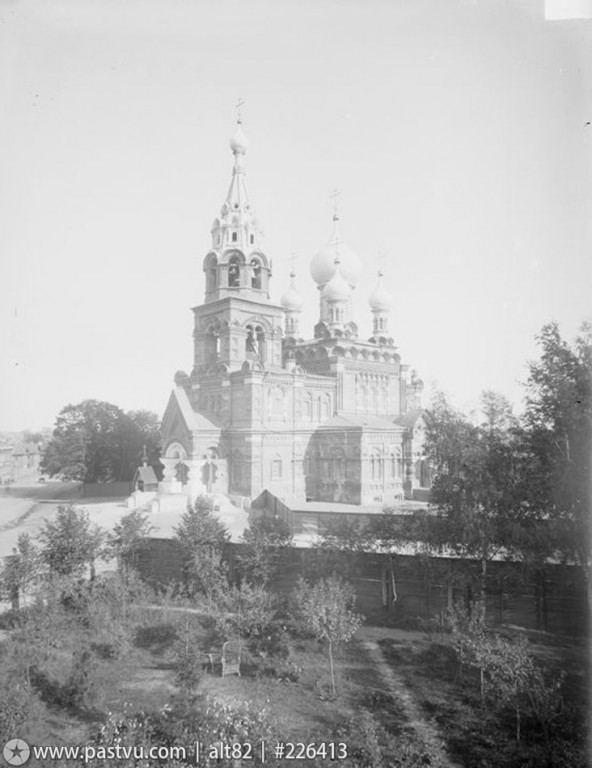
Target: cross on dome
323, 265
292, 301
380, 261
238, 108
333, 196
380, 299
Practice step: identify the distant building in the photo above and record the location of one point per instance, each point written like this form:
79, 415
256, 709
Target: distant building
330, 418
5, 463
18, 461
26, 458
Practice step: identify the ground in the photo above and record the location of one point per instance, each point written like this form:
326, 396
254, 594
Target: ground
399, 697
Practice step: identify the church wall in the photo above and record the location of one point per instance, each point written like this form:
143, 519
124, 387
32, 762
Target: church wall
382, 471
332, 466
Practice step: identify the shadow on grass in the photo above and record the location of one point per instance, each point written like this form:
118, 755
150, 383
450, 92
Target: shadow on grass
428, 661
62, 696
156, 638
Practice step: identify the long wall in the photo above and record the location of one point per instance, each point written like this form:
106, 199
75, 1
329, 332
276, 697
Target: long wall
555, 602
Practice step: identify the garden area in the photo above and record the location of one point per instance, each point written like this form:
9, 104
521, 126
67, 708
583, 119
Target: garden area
108, 661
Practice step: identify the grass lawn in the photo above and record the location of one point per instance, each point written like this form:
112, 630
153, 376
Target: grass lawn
479, 735
399, 700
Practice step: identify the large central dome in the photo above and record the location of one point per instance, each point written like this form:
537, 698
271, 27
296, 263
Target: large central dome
323, 267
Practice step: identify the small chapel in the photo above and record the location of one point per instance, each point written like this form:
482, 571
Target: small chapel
323, 416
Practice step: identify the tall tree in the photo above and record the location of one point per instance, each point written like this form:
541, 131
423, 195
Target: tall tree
95, 441
475, 482
558, 423
265, 541
70, 543
129, 537
201, 537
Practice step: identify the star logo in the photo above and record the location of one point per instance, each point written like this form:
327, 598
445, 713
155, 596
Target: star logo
16, 752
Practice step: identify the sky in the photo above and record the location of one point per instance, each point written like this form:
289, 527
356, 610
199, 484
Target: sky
458, 135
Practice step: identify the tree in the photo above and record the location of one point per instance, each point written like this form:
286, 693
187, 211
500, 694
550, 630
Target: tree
265, 541
476, 481
510, 669
129, 538
245, 611
21, 570
558, 423
70, 542
187, 656
202, 538
326, 609
95, 441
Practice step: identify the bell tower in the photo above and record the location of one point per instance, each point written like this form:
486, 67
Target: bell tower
237, 321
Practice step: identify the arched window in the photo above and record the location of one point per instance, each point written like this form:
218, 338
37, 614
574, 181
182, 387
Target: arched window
374, 401
325, 406
375, 467
234, 272
255, 274
212, 344
339, 465
210, 279
276, 468
252, 239
234, 237
255, 342
276, 403
307, 409
260, 336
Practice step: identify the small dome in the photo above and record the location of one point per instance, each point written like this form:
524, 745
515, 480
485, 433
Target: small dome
292, 300
239, 142
337, 289
322, 266
380, 299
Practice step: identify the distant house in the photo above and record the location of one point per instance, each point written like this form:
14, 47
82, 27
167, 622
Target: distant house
5, 463
26, 458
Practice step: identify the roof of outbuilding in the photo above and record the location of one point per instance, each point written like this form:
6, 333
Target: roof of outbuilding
409, 419
353, 421
146, 474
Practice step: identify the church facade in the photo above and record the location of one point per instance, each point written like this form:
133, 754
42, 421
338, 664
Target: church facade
331, 418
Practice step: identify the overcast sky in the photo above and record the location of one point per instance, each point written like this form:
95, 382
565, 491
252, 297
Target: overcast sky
457, 132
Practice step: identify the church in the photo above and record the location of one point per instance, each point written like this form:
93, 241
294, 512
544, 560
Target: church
319, 416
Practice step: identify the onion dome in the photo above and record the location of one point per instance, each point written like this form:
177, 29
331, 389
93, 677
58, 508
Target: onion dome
380, 300
238, 141
292, 301
337, 289
322, 266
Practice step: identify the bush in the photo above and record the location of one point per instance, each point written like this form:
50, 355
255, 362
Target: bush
274, 641
14, 710
288, 671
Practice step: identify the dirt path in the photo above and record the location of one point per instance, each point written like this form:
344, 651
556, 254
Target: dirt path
426, 731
